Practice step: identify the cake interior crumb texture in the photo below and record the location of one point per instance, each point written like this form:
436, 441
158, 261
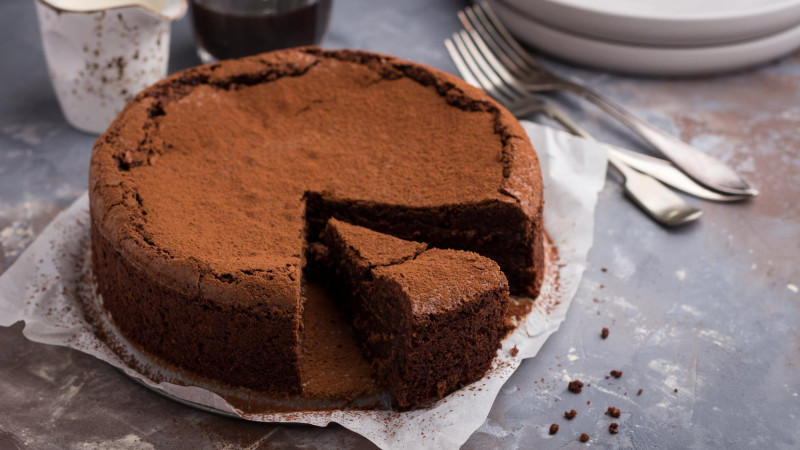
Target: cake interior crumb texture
430, 320
211, 190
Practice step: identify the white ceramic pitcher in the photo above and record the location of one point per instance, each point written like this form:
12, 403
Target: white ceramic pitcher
100, 53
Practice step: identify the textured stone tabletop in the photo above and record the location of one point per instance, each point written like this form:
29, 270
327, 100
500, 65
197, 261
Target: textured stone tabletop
705, 319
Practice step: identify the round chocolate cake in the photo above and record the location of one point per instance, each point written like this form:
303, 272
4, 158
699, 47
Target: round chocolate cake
212, 196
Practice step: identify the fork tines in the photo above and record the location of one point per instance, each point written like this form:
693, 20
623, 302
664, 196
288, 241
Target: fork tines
480, 66
485, 23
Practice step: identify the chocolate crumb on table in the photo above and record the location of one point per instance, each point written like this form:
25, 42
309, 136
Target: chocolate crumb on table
584, 437
575, 386
613, 412
676, 390
639, 393
570, 414
554, 428
616, 373
604, 333
613, 428
514, 351
604, 269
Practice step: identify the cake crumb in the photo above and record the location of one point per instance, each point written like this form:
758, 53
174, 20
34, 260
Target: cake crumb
616, 373
613, 428
570, 414
514, 351
604, 333
584, 437
604, 269
575, 386
639, 393
613, 412
554, 428
676, 390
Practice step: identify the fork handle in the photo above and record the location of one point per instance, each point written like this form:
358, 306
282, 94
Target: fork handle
703, 168
659, 169
620, 166
646, 192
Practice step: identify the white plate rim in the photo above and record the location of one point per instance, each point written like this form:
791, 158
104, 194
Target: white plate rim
661, 29
663, 16
647, 60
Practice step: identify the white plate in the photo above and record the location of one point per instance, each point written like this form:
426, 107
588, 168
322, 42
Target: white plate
670, 23
643, 60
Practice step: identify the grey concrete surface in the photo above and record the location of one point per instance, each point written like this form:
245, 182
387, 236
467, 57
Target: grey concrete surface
704, 319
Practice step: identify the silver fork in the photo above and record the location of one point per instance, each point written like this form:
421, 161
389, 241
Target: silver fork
518, 67
657, 168
654, 198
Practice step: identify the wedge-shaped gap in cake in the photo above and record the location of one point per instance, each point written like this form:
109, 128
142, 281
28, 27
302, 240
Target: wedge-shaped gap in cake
498, 229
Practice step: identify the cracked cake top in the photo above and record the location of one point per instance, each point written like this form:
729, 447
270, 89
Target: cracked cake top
202, 178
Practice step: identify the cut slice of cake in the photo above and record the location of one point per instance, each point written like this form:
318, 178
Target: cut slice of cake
429, 320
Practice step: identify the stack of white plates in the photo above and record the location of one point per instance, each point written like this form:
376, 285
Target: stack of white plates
657, 37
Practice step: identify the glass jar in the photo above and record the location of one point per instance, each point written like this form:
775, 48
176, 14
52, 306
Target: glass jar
234, 28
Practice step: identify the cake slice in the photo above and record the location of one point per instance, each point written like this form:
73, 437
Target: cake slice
429, 320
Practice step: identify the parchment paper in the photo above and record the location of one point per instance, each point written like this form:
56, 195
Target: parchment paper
43, 288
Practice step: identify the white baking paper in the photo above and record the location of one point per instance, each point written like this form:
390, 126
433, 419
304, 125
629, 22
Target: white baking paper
43, 286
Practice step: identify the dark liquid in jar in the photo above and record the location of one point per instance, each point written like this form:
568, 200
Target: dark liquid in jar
227, 35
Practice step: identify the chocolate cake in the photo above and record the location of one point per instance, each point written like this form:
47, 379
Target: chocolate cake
429, 319
207, 189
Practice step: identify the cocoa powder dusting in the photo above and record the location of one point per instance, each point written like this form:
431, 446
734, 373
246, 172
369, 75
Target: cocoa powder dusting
207, 176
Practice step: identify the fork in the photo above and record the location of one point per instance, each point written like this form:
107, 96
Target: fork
660, 203
657, 168
517, 67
